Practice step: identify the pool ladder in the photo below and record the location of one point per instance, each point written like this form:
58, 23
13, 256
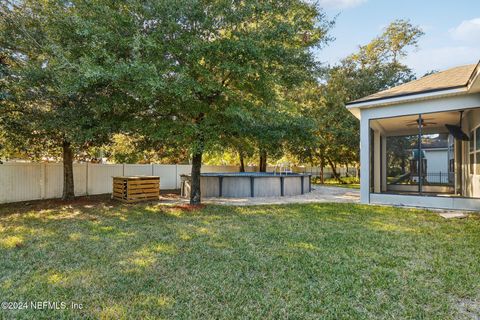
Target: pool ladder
284, 168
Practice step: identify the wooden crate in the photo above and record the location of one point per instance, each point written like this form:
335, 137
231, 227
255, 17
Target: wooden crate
135, 189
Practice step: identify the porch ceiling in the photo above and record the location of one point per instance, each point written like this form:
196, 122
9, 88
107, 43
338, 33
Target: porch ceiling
406, 125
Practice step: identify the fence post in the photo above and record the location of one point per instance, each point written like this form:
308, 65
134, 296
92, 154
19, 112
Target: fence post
86, 180
43, 183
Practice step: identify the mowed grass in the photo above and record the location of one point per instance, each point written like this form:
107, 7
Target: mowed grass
329, 261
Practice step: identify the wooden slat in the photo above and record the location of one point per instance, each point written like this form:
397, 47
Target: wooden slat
138, 191
143, 195
148, 185
143, 182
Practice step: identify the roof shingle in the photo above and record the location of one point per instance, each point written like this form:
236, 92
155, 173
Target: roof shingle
448, 79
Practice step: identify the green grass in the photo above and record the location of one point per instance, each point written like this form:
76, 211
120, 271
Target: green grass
343, 185
347, 182
329, 261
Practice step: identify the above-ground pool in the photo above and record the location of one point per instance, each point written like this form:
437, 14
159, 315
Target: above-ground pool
249, 184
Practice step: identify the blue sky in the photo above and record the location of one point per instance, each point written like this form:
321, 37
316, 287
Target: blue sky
452, 29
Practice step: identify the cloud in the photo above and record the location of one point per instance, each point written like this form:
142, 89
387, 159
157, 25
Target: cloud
340, 4
442, 58
467, 30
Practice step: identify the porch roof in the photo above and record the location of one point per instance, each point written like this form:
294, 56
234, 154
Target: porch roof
449, 79
459, 80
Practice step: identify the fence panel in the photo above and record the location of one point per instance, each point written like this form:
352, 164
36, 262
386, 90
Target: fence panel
100, 177
167, 174
20, 182
33, 181
138, 170
54, 179
220, 169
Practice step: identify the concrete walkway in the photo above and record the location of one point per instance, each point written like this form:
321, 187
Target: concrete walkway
319, 194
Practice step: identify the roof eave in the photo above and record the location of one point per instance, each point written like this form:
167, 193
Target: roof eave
474, 81
408, 98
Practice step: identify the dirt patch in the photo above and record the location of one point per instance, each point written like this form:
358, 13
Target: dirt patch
102, 200
319, 194
50, 204
469, 309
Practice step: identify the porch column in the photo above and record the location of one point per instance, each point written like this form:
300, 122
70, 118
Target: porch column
377, 161
384, 164
364, 159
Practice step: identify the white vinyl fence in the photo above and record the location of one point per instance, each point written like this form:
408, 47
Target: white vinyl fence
33, 181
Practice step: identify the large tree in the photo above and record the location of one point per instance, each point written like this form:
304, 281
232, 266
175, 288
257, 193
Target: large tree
375, 67
67, 62
227, 61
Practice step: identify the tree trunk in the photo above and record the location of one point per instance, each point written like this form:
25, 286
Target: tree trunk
322, 166
195, 193
68, 187
263, 161
242, 161
334, 171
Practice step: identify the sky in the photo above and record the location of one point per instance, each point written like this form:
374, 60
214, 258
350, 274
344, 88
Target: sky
452, 30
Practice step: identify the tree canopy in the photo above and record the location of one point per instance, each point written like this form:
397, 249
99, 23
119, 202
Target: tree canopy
143, 81
376, 66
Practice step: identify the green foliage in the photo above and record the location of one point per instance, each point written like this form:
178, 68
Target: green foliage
124, 148
375, 67
63, 62
176, 78
226, 67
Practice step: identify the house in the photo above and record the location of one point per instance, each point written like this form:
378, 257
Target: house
438, 155
420, 142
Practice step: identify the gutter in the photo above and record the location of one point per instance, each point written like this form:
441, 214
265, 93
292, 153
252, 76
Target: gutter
409, 97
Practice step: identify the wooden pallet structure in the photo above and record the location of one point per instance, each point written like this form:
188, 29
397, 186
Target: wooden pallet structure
136, 189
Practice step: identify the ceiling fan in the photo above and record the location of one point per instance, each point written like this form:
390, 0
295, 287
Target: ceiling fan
425, 122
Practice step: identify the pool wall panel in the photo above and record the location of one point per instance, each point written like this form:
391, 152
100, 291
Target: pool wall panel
293, 186
236, 187
267, 187
209, 186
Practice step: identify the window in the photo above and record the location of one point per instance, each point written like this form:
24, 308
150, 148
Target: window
477, 139
474, 151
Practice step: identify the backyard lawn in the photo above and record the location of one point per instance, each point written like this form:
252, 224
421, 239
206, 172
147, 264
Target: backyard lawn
312, 261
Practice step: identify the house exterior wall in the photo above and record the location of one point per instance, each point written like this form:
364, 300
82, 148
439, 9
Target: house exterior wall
471, 181
437, 161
